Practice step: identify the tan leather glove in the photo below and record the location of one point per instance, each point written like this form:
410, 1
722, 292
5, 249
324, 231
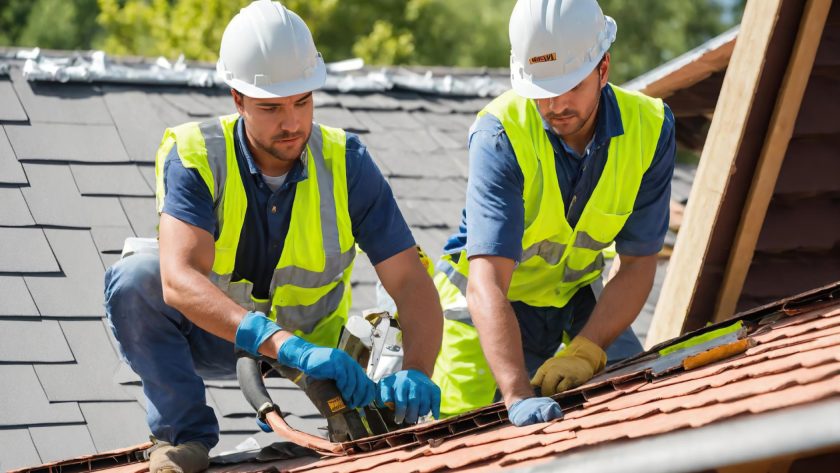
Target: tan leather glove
573, 366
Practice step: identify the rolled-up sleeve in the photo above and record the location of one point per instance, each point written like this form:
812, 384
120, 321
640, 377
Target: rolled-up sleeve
495, 211
187, 197
644, 232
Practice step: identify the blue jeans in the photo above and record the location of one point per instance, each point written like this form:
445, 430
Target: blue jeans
542, 330
167, 351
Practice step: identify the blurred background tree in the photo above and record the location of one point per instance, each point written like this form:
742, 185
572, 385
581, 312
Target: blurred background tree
468, 33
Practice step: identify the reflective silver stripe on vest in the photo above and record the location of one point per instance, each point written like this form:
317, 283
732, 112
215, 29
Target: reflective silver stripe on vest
336, 262
456, 278
458, 314
306, 317
585, 240
214, 141
572, 275
550, 251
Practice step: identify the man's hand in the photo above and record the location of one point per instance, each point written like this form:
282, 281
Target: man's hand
573, 366
533, 411
356, 388
412, 393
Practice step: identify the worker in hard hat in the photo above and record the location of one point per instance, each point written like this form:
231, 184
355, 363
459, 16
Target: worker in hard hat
260, 214
561, 167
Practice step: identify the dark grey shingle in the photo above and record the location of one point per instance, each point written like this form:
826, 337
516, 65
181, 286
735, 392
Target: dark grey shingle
15, 299
17, 450
10, 108
79, 294
219, 103
60, 442
13, 211
91, 378
110, 239
231, 402
26, 251
24, 401
375, 101
428, 189
33, 341
110, 179
416, 141
67, 142
148, 173
54, 200
114, 425
388, 120
450, 122
137, 121
339, 118
11, 171
142, 215
187, 103
53, 102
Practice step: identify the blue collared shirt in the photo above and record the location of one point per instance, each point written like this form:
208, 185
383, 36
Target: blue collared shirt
378, 226
494, 218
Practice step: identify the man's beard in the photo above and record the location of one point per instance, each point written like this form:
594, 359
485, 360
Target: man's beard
281, 156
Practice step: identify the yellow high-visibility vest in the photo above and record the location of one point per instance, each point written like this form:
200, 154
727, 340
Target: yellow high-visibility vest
310, 288
557, 259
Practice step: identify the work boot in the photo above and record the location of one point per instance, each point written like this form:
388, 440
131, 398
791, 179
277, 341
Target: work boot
189, 457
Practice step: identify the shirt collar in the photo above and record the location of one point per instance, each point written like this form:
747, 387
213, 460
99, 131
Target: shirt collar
608, 122
296, 174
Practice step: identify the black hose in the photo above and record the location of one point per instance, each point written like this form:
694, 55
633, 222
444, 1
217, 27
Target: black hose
250, 380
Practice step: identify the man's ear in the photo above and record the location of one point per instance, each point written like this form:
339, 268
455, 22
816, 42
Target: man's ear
604, 70
238, 100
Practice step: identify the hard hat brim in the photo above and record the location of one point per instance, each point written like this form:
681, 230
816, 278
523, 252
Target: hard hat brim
554, 86
286, 89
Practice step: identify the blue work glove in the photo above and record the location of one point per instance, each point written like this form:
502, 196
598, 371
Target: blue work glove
356, 388
533, 411
411, 393
253, 330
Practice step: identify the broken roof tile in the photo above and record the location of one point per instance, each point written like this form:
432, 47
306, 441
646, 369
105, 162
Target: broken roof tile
24, 401
15, 299
33, 341
79, 293
110, 180
54, 200
91, 377
22, 454
14, 211
68, 142
11, 171
26, 251
10, 108
57, 442
114, 425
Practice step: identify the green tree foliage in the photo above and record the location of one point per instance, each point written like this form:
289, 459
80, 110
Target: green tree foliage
51, 24
469, 33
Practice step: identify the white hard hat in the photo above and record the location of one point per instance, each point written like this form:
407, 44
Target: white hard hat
555, 44
267, 52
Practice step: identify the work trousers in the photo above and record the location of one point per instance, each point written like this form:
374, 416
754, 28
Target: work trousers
169, 353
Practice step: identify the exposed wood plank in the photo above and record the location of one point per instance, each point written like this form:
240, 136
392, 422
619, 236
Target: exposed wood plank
772, 155
716, 165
